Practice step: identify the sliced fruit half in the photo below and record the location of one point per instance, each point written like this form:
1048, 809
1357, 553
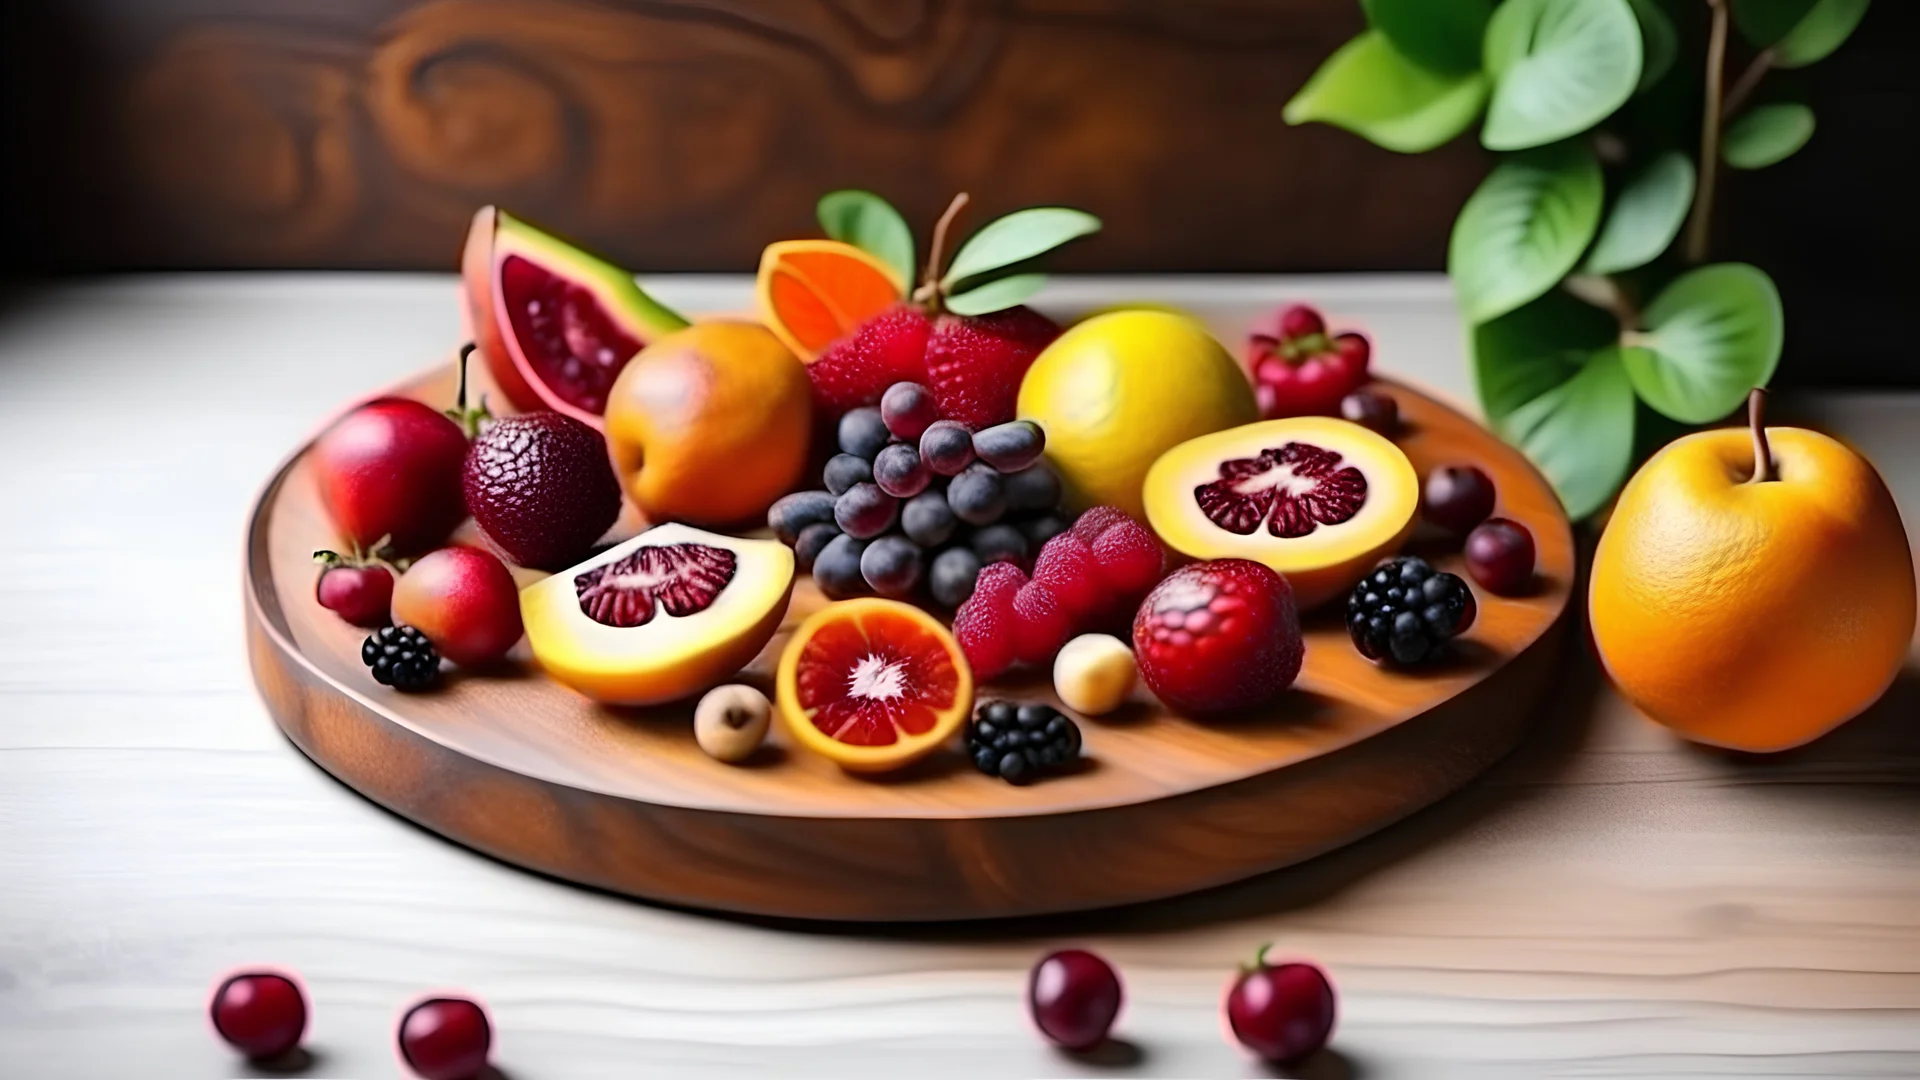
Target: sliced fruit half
873, 685
666, 615
1318, 499
812, 293
555, 323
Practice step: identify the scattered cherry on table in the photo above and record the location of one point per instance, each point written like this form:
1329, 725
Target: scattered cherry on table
1457, 497
1074, 997
1282, 1012
1500, 556
262, 1014
446, 1038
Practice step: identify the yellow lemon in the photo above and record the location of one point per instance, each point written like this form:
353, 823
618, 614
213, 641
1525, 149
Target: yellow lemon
1118, 390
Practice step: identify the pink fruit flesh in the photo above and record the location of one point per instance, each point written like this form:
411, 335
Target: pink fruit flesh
685, 579
865, 692
1293, 490
1219, 636
361, 595
464, 600
446, 1039
261, 1014
1282, 1013
1073, 997
566, 337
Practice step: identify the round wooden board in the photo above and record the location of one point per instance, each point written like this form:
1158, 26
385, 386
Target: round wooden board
523, 769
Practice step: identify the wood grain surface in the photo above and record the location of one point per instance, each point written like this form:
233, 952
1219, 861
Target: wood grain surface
1605, 902
526, 770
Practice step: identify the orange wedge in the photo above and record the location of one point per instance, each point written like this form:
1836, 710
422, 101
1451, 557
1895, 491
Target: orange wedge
873, 685
815, 292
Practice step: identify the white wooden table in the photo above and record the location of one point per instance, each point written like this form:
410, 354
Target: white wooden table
1605, 903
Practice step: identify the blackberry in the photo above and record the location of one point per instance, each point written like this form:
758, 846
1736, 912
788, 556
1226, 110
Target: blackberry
1405, 611
1021, 743
401, 657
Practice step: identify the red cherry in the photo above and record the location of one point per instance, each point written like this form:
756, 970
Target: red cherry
357, 591
1354, 350
391, 468
1300, 321
1457, 497
1282, 1012
259, 1013
1373, 410
1074, 996
446, 1039
464, 600
1500, 556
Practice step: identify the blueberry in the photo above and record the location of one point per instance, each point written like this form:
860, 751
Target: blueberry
862, 432
865, 511
1010, 447
946, 447
1041, 529
837, 569
952, 578
813, 538
795, 512
892, 566
1034, 488
900, 472
908, 410
845, 470
978, 496
1000, 543
927, 519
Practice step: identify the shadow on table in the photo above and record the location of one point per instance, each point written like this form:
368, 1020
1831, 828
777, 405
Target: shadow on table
1875, 757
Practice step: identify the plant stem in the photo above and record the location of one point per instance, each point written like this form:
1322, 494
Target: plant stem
1744, 86
929, 290
1606, 294
1700, 229
1763, 470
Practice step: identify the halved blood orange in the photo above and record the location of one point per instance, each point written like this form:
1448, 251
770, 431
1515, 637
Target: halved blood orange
873, 684
812, 293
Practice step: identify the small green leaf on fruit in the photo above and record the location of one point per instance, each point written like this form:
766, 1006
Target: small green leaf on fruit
1800, 32
1524, 228
1016, 238
1367, 87
1659, 42
1441, 35
1645, 217
871, 224
1766, 135
995, 295
1580, 432
1712, 335
1559, 67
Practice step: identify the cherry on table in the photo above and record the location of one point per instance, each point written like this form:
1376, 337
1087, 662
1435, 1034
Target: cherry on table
1282, 1012
262, 1014
446, 1038
1074, 996
1500, 556
1373, 410
1457, 497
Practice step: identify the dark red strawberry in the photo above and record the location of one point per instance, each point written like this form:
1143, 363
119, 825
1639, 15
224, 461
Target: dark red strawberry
975, 362
858, 369
1218, 636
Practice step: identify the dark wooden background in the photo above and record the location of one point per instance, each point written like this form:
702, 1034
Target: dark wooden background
685, 134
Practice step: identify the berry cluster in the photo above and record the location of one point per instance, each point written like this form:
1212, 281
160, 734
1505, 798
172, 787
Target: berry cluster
1406, 612
401, 657
912, 498
1021, 743
1089, 577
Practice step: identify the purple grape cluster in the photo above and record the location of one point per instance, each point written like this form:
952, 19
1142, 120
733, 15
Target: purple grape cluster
912, 500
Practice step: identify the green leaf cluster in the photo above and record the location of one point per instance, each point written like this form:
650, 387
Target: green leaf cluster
1584, 320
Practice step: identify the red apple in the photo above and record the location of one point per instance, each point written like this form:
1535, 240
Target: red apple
390, 471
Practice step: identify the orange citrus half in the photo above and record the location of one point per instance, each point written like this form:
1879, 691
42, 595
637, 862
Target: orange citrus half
815, 292
873, 684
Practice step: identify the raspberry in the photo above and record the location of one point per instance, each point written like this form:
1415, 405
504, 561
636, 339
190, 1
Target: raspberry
858, 369
1098, 520
1067, 568
975, 363
1041, 623
984, 625
1130, 557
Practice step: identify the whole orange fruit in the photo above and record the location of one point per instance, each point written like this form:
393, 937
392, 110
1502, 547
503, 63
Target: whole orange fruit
710, 424
1753, 613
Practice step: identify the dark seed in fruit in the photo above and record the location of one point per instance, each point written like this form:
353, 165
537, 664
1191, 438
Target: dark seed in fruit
862, 432
845, 470
793, 513
892, 566
1010, 447
900, 472
1281, 1012
908, 409
953, 574
1500, 556
927, 519
1372, 410
837, 568
812, 540
946, 447
1033, 488
1000, 543
446, 1039
865, 511
1457, 497
1074, 997
978, 496
259, 1013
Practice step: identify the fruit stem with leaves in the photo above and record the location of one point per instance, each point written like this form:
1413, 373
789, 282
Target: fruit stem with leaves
469, 420
929, 291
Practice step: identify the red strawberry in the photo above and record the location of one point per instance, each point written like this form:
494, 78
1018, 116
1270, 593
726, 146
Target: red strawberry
984, 624
1218, 636
857, 370
975, 362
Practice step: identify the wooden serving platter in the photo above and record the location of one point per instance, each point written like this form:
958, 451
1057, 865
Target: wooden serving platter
523, 769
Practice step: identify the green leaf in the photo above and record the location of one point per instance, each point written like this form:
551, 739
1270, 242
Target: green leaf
1800, 32
1524, 228
1766, 134
1559, 67
1580, 433
1368, 88
1659, 42
1530, 350
995, 295
1441, 35
871, 224
1645, 217
1711, 336
1018, 237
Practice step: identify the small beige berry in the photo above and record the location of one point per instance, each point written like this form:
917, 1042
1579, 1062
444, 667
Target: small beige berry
730, 722
1094, 673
